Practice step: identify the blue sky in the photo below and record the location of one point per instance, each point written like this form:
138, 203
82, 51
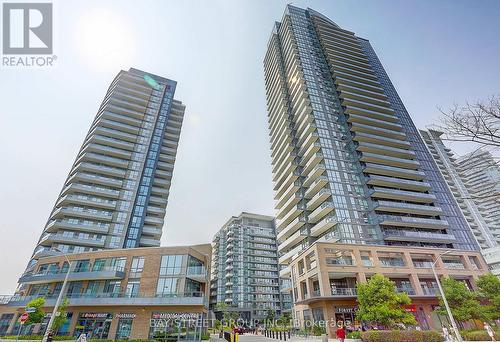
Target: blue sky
436, 53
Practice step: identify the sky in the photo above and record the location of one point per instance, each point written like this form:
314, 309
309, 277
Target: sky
437, 53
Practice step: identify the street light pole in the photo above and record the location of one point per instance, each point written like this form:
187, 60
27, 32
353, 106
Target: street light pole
453, 324
59, 297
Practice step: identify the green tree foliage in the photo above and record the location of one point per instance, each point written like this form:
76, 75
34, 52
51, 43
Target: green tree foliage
284, 320
463, 302
37, 316
61, 318
270, 316
489, 290
379, 303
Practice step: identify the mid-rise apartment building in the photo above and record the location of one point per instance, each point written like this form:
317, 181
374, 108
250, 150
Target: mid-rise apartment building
245, 267
116, 192
349, 166
134, 293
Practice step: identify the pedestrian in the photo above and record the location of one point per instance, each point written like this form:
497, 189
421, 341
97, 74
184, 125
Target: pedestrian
340, 333
82, 337
50, 336
446, 334
490, 331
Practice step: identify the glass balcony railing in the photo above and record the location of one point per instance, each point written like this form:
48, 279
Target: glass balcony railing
343, 291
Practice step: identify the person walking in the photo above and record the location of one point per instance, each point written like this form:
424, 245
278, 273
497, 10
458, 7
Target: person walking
446, 334
490, 331
340, 334
82, 337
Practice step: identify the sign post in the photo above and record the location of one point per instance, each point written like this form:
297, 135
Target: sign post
23, 318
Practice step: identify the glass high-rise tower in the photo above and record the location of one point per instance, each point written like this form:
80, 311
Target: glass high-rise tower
350, 170
117, 190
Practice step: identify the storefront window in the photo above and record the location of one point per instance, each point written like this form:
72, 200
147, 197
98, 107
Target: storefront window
172, 326
94, 324
124, 326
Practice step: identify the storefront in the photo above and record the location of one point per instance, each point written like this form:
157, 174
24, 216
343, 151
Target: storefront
346, 316
172, 326
124, 326
94, 324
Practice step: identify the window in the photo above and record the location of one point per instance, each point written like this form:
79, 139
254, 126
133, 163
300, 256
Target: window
137, 264
132, 289
167, 286
171, 265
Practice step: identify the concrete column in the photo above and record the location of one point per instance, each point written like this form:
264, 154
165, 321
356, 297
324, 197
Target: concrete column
466, 262
407, 258
415, 283
360, 277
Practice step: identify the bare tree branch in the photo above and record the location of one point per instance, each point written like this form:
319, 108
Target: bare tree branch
478, 122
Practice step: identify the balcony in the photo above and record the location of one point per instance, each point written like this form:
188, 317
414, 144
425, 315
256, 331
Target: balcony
399, 183
292, 240
321, 196
316, 185
380, 140
417, 222
316, 172
374, 121
430, 291
391, 161
54, 225
292, 227
320, 212
285, 272
343, 292
386, 150
287, 257
393, 171
404, 235
119, 299
323, 226
402, 195
197, 273
402, 207
148, 242
51, 238
106, 273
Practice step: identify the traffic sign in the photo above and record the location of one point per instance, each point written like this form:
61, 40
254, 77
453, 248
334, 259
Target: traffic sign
24, 317
30, 309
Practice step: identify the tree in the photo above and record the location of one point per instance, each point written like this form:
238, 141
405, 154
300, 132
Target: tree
379, 303
61, 318
39, 314
270, 316
284, 319
489, 290
463, 302
478, 122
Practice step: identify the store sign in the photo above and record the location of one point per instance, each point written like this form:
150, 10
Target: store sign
410, 307
346, 309
96, 315
174, 315
126, 315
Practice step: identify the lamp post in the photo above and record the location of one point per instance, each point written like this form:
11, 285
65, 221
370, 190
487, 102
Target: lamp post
59, 297
452, 320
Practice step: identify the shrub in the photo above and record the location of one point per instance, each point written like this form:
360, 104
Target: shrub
205, 336
354, 334
400, 335
477, 335
318, 330
37, 337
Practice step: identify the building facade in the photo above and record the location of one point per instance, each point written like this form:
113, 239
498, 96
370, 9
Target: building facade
325, 277
245, 267
349, 166
135, 293
117, 190
474, 180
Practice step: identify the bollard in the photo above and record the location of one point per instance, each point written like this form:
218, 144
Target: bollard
281, 337
284, 335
